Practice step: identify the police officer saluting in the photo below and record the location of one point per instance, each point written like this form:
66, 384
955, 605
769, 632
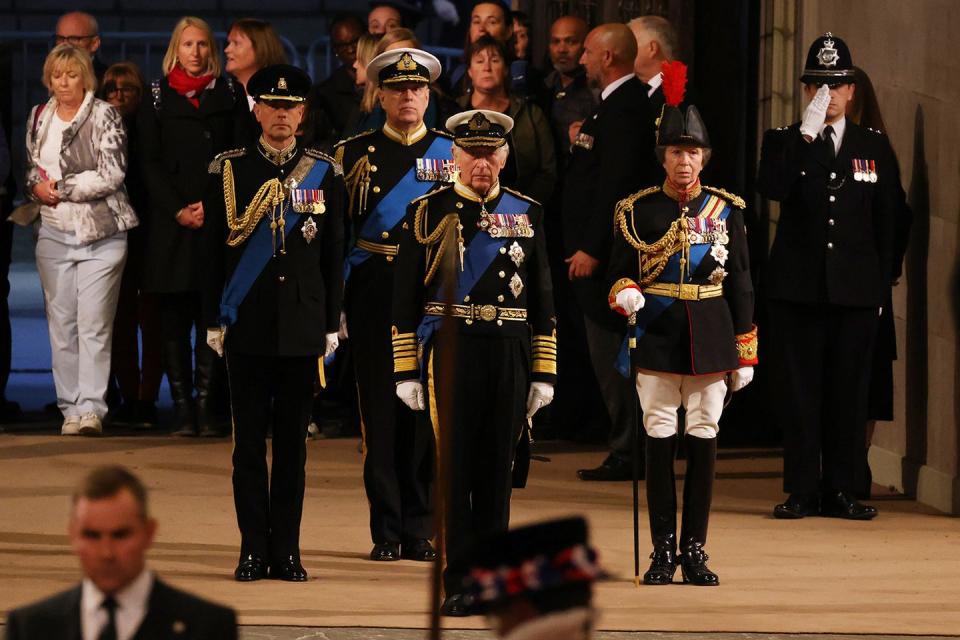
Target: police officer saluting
385, 170
839, 191
273, 306
503, 308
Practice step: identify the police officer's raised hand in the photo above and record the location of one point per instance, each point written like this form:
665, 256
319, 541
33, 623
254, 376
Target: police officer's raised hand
630, 300
411, 392
815, 114
332, 343
215, 339
582, 265
740, 378
540, 395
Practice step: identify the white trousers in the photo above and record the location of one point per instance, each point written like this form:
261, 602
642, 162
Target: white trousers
80, 288
661, 394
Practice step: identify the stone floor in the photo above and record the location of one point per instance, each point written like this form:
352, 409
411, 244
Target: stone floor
358, 633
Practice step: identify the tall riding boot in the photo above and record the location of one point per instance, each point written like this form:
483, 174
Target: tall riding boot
697, 494
206, 421
177, 363
662, 505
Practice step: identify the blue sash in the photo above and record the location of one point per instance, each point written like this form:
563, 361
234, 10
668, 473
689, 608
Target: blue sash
393, 206
655, 305
479, 255
259, 249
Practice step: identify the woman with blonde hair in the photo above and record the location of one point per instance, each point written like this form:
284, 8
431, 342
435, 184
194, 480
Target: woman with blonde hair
76, 162
192, 114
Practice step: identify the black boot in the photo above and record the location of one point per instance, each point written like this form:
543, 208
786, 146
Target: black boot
662, 505
697, 495
206, 421
177, 364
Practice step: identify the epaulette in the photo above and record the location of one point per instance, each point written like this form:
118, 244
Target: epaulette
432, 193
735, 200
443, 134
359, 135
216, 165
320, 155
643, 193
520, 195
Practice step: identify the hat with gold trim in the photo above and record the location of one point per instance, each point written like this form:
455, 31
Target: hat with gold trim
479, 128
404, 65
279, 82
828, 62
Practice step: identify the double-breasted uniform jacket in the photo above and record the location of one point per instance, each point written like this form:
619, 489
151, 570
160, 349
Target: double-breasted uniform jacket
834, 241
296, 299
512, 297
177, 142
704, 325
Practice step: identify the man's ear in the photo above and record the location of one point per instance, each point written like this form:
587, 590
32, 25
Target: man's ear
95, 45
256, 111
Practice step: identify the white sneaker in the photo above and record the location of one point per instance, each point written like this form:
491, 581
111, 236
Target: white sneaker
71, 426
90, 425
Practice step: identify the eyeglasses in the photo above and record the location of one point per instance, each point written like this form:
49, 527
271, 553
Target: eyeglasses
73, 40
111, 90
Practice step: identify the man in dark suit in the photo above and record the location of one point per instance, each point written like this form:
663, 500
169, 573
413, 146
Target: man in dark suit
120, 598
656, 44
829, 272
332, 102
612, 152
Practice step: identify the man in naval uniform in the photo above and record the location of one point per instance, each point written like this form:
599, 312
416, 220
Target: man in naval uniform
680, 270
272, 305
829, 271
505, 325
385, 170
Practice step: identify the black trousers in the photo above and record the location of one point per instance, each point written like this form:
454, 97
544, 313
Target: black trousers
489, 390
619, 393
180, 314
819, 359
269, 390
397, 463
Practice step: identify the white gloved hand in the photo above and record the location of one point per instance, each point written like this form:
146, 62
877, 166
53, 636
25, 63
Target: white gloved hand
630, 300
332, 343
740, 378
541, 394
215, 339
342, 333
816, 113
411, 392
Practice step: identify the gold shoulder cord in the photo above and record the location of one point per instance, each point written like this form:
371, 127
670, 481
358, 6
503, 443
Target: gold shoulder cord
269, 195
652, 257
430, 239
358, 183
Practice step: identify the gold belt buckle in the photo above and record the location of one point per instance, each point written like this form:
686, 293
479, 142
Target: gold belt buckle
488, 312
689, 292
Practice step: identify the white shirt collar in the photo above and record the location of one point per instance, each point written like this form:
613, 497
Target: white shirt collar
132, 603
613, 86
653, 83
839, 127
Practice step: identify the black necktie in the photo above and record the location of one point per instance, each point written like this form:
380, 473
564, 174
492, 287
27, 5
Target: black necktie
828, 142
109, 631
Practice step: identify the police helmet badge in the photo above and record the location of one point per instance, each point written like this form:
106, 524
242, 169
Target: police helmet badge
828, 55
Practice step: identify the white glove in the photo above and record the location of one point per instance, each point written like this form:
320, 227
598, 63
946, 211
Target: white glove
342, 332
541, 394
816, 113
740, 378
411, 392
215, 339
332, 343
630, 300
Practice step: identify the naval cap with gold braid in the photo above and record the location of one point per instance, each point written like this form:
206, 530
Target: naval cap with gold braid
479, 128
279, 82
404, 65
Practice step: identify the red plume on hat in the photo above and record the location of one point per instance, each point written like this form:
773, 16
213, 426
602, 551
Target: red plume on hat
674, 82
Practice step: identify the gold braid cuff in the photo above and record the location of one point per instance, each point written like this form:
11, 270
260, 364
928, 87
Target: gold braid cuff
269, 195
404, 351
747, 348
618, 286
544, 354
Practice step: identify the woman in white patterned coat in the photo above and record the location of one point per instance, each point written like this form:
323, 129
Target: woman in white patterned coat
76, 164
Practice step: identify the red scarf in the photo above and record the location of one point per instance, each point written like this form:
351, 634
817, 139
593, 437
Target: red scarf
188, 86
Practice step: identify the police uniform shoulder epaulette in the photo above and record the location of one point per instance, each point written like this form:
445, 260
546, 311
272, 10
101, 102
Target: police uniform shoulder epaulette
216, 165
443, 134
735, 200
520, 195
432, 193
320, 155
355, 137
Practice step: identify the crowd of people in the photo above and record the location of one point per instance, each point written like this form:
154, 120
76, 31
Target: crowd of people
558, 219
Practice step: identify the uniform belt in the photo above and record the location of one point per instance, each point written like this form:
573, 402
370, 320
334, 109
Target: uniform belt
374, 247
471, 312
684, 291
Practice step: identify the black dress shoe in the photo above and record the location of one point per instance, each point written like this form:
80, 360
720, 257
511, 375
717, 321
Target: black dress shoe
844, 505
289, 569
663, 564
385, 552
798, 505
419, 550
251, 567
613, 469
454, 606
693, 566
